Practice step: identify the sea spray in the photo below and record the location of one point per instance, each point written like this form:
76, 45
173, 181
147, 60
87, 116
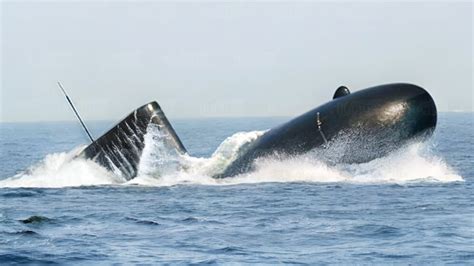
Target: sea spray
162, 167
158, 158
412, 163
62, 170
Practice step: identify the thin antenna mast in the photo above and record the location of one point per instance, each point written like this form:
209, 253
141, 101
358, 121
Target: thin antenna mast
75, 111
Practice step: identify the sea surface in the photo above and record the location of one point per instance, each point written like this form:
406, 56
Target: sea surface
414, 206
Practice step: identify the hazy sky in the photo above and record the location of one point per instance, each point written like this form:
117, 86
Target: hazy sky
226, 59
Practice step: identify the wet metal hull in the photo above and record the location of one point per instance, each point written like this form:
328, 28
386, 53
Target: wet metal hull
358, 127
351, 128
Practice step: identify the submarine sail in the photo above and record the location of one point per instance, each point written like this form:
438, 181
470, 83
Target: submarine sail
119, 149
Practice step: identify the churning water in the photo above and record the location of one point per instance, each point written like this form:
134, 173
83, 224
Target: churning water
414, 205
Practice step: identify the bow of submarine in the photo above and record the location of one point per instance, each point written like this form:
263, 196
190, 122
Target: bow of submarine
355, 128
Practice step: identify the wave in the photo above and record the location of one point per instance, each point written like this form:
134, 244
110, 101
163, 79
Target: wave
160, 167
62, 170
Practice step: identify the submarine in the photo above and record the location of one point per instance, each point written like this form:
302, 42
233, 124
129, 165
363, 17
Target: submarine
350, 128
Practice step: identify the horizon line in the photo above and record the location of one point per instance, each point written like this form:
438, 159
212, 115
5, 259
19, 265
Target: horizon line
179, 118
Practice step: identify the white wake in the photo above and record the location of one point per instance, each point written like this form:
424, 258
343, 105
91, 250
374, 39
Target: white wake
158, 167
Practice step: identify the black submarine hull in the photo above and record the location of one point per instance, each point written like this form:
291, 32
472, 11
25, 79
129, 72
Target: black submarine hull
352, 128
120, 149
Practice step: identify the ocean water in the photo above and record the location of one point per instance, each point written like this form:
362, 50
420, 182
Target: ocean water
414, 206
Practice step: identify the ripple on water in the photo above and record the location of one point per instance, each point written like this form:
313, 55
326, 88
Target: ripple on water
22, 233
386, 255
376, 231
21, 193
190, 220
142, 221
36, 219
205, 262
229, 250
22, 259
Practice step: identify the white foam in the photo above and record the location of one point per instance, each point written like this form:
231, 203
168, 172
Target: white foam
414, 163
411, 164
158, 167
60, 170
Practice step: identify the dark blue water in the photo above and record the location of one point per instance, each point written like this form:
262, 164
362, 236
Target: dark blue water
412, 207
